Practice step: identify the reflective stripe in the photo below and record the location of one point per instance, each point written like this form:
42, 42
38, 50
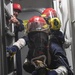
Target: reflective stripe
20, 43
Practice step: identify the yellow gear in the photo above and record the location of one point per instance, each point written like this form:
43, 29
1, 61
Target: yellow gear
25, 23
25, 26
43, 15
55, 23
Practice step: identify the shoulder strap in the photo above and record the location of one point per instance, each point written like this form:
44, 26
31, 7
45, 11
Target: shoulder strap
48, 52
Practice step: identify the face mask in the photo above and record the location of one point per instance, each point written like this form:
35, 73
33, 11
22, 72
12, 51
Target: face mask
38, 42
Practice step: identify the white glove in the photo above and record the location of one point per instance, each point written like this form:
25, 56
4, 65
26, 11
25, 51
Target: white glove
61, 70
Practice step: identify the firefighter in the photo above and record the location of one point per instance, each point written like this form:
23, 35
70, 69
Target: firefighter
49, 13
56, 38
14, 19
36, 38
38, 32
18, 27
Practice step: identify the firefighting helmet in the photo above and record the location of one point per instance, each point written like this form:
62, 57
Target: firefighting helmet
17, 6
48, 13
55, 23
37, 23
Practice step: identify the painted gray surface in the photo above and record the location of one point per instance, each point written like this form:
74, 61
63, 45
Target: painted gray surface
72, 13
35, 3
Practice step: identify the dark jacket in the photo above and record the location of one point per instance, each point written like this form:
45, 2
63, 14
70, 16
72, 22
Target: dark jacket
18, 28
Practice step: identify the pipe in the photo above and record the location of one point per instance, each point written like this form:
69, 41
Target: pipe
7, 12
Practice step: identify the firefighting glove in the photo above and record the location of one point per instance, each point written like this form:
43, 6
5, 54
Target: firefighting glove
61, 70
12, 50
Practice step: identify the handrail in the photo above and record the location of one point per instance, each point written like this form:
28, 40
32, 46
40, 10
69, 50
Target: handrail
9, 16
33, 9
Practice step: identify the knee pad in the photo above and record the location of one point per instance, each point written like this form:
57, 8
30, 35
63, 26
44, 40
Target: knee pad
28, 67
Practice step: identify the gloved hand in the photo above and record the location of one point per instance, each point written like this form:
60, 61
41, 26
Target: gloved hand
61, 70
67, 45
12, 50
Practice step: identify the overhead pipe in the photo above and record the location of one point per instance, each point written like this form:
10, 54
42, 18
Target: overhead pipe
33, 9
